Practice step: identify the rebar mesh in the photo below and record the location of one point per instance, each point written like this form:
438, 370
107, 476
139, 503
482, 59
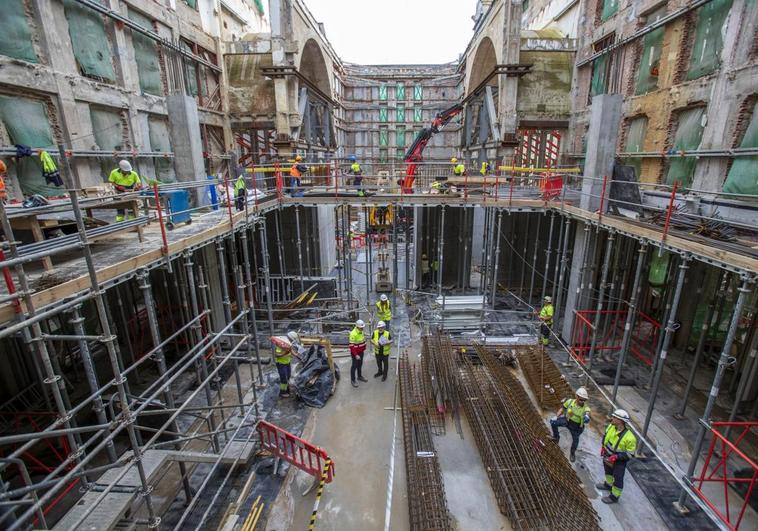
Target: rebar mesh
548, 384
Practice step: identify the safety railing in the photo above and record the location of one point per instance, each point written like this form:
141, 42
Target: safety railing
643, 341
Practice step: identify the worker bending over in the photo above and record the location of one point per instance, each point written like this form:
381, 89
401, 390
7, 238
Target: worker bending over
240, 193
357, 347
459, 170
546, 319
297, 170
357, 173
619, 443
381, 339
574, 415
283, 359
384, 310
124, 180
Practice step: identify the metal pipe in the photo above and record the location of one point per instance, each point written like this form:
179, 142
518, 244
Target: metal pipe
370, 255
749, 371
28, 482
265, 269
407, 249
35, 317
564, 264
246, 328
224, 280
300, 248
482, 267
31, 257
522, 262
547, 256
533, 265
394, 256
497, 255
368, 237
440, 249
631, 314
601, 298
279, 246
707, 322
671, 327
557, 265
251, 306
724, 360
339, 251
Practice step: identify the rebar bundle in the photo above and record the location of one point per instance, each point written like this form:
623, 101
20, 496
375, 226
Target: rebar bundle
547, 382
427, 502
711, 227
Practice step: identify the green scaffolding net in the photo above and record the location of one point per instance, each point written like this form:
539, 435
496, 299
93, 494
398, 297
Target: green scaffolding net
635, 138
383, 115
26, 122
743, 175
709, 38
89, 41
107, 128
160, 141
400, 91
400, 136
383, 137
599, 68
689, 132
400, 113
16, 38
146, 56
383, 92
259, 7
650, 62
609, 9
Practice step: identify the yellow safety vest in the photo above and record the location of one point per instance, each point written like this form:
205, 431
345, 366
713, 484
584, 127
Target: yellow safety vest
282, 356
129, 180
424, 265
379, 349
239, 184
546, 314
574, 412
459, 169
355, 168
383, 311
619, 442
356, 336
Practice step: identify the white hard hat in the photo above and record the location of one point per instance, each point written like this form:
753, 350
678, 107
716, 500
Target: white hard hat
582, 393
359, 323
124, 165
383, 298
548, 298
292, 336
621, 415
380, 324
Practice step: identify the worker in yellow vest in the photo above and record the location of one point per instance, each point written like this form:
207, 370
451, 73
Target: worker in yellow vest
384, 310
459, 170
240, 193
357, 343
574, 415
546, 319
381, 340
424, 269
619, 445
485, 169
435, 271
357, 173
124, 180
283, 359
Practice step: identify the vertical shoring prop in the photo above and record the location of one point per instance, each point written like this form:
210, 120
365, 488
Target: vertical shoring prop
369, 252
407, 211
724, 360
394, 257
671, 327
548, 251
143, 280
523, 263
600, 299
557, 266
299, 248
558, 290
440, 249
631, 315
279, 248
338, 250
534, 257
368, 237
239, 280
482, 261
265, 268
248, 279
108, 337
224, 280
496, 265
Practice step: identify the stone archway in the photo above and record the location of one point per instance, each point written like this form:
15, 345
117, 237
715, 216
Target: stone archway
485, 61
313, 66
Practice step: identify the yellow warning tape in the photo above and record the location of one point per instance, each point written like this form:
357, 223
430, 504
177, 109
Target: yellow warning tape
322, 481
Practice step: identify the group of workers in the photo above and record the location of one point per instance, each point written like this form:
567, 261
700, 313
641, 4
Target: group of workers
381, 341
429, 270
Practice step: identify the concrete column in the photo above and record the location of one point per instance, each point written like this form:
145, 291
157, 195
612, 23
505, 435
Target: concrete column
508, 86
602, 135
184, 129
573, 297
327, 245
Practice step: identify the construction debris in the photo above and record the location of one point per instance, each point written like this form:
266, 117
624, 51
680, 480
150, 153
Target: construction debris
710, 227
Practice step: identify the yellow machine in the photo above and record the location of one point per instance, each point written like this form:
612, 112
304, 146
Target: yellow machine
381, 216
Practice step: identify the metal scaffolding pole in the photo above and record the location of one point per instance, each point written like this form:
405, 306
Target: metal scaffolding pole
564, 265
440, 249
366, 232
264, 269
224, 280
200, 365
370, 252
299, 248
279, 247
600, 299
248, 279
460, 226
631, 315
724, 360
671, 327
482, 261
707, 323
407, 248
749, 371
548, 252
338, 249
557, 266
143, 279
496, 266
246, 327
523, 263
533, 265
394, 257
669, 296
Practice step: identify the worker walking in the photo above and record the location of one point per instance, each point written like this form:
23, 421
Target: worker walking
297, 170
283, 359
240, 193
124, 180
619, 444
357, 173
357, 347
574, 414
381, 339
546, 319
424, 269
384, 310
435, 271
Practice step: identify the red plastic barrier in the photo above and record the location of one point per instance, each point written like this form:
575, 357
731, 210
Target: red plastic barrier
294, 450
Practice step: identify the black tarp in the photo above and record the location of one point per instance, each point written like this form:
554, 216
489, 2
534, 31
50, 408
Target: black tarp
314, 382
624, 193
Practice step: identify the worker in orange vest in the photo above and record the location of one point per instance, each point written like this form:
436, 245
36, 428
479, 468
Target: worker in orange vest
297, 170
3, 193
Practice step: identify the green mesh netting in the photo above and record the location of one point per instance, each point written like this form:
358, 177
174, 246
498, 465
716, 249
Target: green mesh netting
400, 113
609, 9
383, 114
259, 6
599, 68
107, 129
26, 122
400, 91
418, 114
650, 62
658, 269
16, 38
743, 175
689, 132
709, 38
383, 92
89, 41
160, 141
418, 92
191, 3
635, 139
146, 56
383, 137
400, 136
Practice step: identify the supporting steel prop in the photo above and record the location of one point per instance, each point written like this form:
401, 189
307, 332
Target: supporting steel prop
600, 299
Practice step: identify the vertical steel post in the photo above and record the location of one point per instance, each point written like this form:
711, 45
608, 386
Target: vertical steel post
600, 298
224, 280
248, 279
338, 249
748, 373
548, 252
143, 279
239, 280
482, 262
369, 252
671, 327
367, 237
558, 291
394, 257
299, 248
407, 249
533, 265
724, 360
265, 269
497, 255
279, 247
557, 265
522, 288
440, 249
631, 315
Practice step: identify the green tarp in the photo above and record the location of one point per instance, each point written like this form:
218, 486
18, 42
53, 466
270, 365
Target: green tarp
400, 136
191, 3
259, 7
400, 113
89, 41
146, 56
635, 137
107, 129
609, 9
658, 268
689, 132
650, 62
400, 91
160, 141
418, 92
383, 115
383, 92
599, 68
16, 40
27, 123
384, 137
743, 175
709, 38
